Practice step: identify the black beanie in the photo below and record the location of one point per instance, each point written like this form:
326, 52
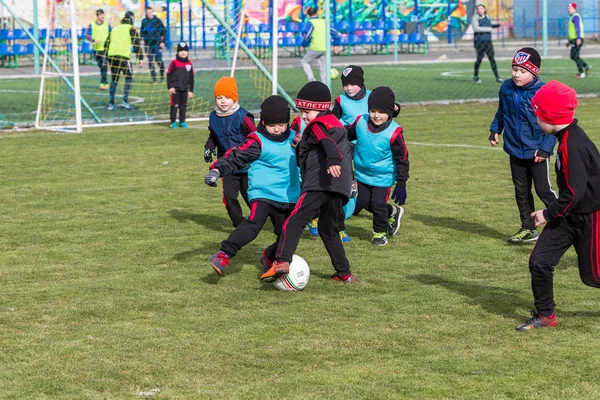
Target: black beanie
528, 58
274, 110
353, 75
314, 95
383, 99
182, 46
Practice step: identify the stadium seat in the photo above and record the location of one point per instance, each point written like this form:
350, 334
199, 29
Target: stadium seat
378, 39
342, 27
6, 53
403, 39
287, 41
3, 50
354, 26
86, 48
20, 34
416, 39
378, 25
389, 24
291, 27
30, 48
248, 42
42, 33
249, 28
366, 25
366, 39
19, 49
264, 28
8, 34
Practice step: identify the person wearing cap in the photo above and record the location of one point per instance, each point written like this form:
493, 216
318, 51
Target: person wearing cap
314, 39
380, 160
573, 219
118, 46
576, 38
482, 41
228, 126
326, 168
273, 180
180, 82
526, 144
153, 33
97, 33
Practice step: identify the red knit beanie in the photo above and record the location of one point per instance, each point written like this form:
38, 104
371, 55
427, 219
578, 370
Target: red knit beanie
574, 5
226, 86
555, 103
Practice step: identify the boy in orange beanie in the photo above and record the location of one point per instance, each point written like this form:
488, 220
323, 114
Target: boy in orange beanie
574, 218
228, 126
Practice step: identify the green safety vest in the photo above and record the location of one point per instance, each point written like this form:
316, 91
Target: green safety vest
318, 42
573, 29
120, 41
99, 34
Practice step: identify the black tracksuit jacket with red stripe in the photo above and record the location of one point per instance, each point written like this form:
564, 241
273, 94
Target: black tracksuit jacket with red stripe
577, 174
180, 74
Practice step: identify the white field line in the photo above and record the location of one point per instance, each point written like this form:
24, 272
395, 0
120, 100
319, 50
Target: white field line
459, 145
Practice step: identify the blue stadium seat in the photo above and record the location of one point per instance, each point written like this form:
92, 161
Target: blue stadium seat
29, 48
353, 40
287, 41
389, 24
19, 49
378, 39
388, 38
379, 25
262, 43
248, 42
86, 48
342, 27
4, 50
19, 34
8, 35
264, 28
249, 28
366, 25
354, 26
42, 34
291, 27
366, 39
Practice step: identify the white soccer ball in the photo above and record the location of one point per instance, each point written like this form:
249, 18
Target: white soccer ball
334, 73
297, 279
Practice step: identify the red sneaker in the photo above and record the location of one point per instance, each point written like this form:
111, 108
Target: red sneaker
538, 321
277, 269
346, 279
219, 261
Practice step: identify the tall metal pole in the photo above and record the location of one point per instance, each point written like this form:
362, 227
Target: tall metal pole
327, 44
75, 58
395, 30
275, 46
36, 33
545, 27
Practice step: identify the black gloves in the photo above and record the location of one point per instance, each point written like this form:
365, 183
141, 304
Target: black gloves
211, 178
399, 195
208, 153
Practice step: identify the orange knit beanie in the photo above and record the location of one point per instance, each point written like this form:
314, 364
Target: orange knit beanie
226, 86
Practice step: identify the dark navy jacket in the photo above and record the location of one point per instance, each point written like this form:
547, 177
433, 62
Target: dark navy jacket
228, 132
522, 135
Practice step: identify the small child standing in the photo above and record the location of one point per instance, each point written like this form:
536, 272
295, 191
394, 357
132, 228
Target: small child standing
353, 102
274, 183
524, 141
228, 126
380, 159
574, 218
326, 168
180, 81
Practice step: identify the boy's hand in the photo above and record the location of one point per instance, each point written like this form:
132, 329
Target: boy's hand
538, 217
296, 140
211, 178
140, 63
190, 95
336, 50
172, 90
335, 171
540, 156
399, 195
208, 153
494, 139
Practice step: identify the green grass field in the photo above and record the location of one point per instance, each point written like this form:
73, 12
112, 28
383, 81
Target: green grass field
411, 83
107, 290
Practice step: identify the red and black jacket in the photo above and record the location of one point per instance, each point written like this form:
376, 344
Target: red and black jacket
180, 74
577, 174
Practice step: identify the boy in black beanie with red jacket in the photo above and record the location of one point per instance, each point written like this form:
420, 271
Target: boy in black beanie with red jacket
180, 81
326, 168
574, 218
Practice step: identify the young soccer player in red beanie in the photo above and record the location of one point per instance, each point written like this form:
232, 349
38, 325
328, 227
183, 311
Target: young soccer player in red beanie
574, 218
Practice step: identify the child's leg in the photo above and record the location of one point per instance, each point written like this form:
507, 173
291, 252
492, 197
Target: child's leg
247, 230
587, 246
541, 179
244, 188
379, 208
331, 213
363, 198
522, 181
173, 110
128, 72
278, 216
183, 99
231, 189
306, 207
553, 242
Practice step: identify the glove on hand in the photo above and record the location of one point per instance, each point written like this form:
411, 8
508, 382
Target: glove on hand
211, 178
399, 195
354, 189
208, 153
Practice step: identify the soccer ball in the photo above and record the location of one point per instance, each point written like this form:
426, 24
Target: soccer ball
334, 73
297, 279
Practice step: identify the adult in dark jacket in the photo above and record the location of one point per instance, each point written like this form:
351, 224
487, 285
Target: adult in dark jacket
524, 141
482, 40
154, 33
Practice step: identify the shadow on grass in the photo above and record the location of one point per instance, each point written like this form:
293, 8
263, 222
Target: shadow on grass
459, 225
206, 220
501, 301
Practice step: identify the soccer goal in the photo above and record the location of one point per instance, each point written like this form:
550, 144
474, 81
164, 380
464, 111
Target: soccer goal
72, 96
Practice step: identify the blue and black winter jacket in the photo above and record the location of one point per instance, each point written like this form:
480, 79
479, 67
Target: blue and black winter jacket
522, 135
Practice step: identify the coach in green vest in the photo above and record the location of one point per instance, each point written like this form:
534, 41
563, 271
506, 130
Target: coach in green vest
118, 51
576, 37
315, 40
97, 33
